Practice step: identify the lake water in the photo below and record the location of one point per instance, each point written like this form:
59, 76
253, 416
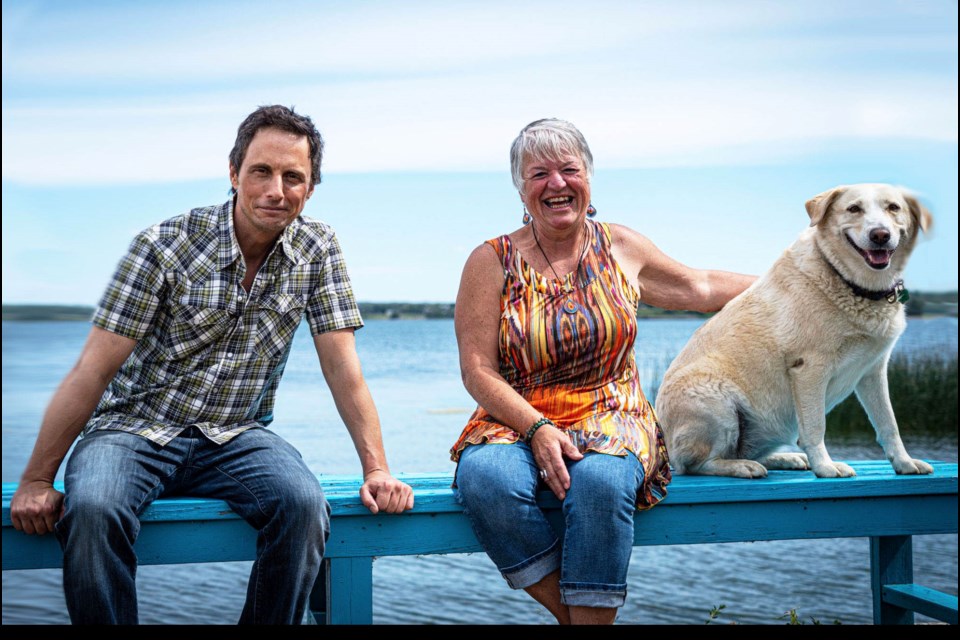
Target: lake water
412, 370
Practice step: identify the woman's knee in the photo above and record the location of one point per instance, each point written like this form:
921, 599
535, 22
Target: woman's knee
493, 476
606, 479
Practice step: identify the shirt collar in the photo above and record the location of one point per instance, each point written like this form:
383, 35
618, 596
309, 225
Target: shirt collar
228, 250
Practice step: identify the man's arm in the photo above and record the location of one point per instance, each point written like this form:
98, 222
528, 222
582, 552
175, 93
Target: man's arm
36, 505
341, 369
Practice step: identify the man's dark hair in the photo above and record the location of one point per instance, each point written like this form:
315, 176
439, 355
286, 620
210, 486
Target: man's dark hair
285, 119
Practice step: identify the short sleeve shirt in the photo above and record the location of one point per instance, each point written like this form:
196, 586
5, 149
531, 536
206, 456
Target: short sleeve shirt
210, 354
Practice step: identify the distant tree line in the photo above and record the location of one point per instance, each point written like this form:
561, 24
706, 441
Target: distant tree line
921, 303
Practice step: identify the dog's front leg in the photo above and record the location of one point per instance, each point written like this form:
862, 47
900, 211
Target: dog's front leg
808, 381
874, 395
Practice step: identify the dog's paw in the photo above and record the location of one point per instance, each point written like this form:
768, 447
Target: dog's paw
786, 461
835, 470
911, 467
739, 468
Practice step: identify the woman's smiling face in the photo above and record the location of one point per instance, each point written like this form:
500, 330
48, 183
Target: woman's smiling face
556, 191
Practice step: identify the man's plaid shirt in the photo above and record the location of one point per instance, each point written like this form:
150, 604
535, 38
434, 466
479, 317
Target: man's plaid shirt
208, 353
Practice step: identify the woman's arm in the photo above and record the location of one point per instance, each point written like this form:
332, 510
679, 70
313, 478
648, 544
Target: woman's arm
477, 323
663, 282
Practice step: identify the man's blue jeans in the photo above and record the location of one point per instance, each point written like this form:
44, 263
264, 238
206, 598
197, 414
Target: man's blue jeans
112, 476
497, 485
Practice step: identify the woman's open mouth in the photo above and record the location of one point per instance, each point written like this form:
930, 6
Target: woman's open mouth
558, 202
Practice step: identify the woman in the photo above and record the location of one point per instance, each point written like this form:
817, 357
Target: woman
545, 321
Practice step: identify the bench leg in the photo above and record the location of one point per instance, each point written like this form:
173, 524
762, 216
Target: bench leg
891, 562
343, 592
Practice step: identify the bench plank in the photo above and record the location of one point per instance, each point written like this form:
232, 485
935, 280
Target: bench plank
923, 600
878, 504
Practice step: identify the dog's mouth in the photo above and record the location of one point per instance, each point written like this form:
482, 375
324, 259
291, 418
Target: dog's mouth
875, 258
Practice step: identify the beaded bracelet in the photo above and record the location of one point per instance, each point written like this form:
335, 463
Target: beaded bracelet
532, 429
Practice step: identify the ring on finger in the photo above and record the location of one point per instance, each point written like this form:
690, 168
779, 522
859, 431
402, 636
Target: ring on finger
543, 474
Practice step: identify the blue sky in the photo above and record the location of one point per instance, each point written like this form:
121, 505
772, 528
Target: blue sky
711, 123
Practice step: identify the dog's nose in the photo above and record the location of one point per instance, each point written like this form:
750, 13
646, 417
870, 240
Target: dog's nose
879, 236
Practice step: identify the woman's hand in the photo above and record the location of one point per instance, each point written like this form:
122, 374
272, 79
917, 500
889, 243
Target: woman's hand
550, 446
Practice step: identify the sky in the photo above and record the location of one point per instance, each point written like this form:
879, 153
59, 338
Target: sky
711, 123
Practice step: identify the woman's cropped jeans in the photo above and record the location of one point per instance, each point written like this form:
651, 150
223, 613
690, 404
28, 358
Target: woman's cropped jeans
497, 485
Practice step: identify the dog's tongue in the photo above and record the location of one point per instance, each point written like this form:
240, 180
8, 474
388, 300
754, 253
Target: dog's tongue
878, 258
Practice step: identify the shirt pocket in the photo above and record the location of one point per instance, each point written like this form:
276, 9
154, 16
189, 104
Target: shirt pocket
280, 315
194, 329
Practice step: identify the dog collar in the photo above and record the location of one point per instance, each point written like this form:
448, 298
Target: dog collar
896, 293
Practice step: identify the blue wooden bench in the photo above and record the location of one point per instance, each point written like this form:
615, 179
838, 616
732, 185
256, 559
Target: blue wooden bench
877, 504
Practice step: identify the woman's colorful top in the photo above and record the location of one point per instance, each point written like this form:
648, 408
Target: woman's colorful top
567, 347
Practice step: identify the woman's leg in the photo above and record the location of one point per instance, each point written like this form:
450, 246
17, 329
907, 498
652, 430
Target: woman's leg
497, 486
598, 511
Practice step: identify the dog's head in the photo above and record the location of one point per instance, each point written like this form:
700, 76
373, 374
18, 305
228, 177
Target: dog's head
868, 228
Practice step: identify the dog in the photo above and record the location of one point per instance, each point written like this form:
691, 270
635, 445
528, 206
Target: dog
751, 389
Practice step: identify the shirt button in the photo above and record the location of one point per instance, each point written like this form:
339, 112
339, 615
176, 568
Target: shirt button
229, 355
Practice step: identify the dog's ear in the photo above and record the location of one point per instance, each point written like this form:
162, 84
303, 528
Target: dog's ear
818, 206
921, 215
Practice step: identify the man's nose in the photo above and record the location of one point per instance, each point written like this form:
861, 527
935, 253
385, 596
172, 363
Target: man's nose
275, 187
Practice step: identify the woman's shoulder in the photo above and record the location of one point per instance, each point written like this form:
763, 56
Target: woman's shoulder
626, 238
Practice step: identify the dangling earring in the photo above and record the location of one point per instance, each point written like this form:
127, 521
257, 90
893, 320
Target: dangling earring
526, 215
591, 210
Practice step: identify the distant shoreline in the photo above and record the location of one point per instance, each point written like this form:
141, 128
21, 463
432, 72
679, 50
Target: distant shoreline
925, 304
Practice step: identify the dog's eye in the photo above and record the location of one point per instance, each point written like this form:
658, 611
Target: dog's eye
893, 206
854, 208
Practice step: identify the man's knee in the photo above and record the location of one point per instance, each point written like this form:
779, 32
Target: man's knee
302, 505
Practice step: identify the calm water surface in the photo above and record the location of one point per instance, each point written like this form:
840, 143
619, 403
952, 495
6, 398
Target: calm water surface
411, 367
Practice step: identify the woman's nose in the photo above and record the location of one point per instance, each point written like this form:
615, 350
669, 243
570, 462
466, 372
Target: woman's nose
556, 180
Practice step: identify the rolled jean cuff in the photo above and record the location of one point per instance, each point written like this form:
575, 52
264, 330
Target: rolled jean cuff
588, 594
533, 569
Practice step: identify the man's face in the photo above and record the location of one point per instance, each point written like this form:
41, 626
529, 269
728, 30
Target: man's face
272, 185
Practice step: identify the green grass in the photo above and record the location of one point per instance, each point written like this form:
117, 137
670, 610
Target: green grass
923, 392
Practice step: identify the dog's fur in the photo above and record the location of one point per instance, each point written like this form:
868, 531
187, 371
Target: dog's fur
758, 378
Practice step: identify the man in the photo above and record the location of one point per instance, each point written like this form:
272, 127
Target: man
175, 386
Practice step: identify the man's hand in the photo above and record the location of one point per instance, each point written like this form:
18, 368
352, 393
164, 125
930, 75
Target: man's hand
382, 492
36, 507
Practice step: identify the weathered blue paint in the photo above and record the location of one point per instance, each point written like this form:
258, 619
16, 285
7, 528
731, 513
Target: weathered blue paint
877, 503
923, 600
891, 562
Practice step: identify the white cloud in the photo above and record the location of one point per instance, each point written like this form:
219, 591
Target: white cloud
109, 94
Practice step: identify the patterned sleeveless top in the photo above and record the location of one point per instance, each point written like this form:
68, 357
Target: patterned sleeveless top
566, 346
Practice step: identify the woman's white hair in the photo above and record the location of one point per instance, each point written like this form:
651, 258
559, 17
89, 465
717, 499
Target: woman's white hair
548, 138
